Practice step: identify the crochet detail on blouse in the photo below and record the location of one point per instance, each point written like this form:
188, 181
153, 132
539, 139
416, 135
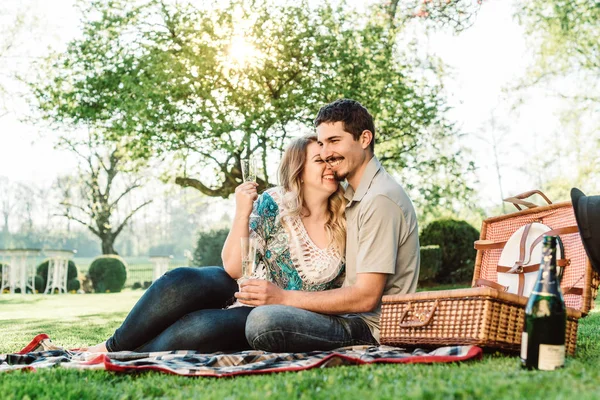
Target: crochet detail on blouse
313, 264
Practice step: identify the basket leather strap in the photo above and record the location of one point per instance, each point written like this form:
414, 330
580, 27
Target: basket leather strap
574, 290
519, 199
423, 319
488, 245
492, 284
484, 244
563, 262
553, 232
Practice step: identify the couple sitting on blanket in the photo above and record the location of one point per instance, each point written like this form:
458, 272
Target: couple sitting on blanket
320, 275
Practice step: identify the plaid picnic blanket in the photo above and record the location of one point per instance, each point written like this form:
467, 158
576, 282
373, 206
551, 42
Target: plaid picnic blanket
42, 353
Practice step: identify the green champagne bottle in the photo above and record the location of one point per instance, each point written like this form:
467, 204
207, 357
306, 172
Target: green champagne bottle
543, 338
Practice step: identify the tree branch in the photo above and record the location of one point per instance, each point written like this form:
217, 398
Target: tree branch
196, 184
120, 228
91, 228
86, 212
129, 189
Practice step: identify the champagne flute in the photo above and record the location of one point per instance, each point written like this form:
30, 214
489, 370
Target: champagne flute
249, 167
248, 246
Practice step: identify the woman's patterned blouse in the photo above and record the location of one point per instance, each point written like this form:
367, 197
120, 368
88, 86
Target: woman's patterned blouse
286, 255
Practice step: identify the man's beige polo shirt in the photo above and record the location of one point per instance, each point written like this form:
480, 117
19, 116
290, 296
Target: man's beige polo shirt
382, 235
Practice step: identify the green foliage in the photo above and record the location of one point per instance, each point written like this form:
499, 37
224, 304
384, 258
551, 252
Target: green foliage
108, 274
174, 89
42, 271
565, 35
431, 262
73, 285
209, 246
40, 284
455, 238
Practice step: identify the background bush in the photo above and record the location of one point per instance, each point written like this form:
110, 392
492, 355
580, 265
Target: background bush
455, 238
108, 273
431, 263
208, 248
40, 284
73, 285
42, 272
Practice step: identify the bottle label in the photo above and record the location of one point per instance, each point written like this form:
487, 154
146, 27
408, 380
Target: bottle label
524, 346
551, 357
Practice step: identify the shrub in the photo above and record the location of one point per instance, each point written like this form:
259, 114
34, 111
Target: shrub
209, 246
136, 285
40, 284
455, 238
431, 262
73, 285
108, 274
42, 271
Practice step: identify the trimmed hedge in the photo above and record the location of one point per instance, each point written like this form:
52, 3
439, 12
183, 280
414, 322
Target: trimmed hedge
455, 238
108, 274
42, 272
40, 284
209, 246
431, 262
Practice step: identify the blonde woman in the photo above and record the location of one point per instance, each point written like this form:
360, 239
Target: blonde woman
301, 231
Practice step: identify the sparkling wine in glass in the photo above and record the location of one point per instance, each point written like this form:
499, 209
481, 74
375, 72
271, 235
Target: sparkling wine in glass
248, 256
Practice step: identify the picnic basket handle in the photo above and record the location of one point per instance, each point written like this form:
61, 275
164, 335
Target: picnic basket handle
416, 324
520, 199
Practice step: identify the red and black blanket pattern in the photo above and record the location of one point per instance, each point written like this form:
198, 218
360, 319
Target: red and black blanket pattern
42, 353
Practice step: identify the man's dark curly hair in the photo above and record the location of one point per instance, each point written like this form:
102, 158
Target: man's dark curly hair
354, 117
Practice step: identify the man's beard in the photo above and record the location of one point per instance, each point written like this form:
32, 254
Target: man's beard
340, 176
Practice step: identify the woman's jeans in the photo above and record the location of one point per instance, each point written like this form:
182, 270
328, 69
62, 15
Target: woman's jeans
184, 310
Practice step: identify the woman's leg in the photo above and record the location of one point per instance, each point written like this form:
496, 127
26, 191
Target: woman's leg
206, 331
177, 293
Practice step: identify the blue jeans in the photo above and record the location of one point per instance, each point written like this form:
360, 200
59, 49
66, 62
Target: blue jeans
283, 329
183, 310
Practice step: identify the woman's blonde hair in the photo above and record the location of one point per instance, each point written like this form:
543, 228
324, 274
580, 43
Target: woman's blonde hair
290, 178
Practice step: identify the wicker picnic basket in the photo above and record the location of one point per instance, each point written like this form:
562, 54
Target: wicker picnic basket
485, 316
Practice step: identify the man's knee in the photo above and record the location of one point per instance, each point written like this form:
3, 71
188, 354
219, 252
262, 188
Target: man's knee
265, 328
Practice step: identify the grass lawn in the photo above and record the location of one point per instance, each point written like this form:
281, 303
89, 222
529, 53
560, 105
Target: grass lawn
75, 320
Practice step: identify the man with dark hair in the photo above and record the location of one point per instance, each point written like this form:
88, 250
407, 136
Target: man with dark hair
382, 249
352, 114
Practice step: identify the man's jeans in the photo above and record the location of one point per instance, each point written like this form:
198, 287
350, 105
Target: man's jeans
285, 329
183, 310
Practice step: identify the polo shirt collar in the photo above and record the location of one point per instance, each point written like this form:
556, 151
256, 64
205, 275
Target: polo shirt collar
365, 182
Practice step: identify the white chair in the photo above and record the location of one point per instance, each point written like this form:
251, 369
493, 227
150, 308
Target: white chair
18, 273
4, 278
161, 266
58, 270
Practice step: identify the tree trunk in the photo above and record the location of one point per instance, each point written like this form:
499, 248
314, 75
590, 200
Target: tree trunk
107, 245
5, 227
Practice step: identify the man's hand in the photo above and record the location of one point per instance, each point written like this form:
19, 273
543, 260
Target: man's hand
258, 292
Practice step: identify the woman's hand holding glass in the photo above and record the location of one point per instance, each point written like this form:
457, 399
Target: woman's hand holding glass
245, 194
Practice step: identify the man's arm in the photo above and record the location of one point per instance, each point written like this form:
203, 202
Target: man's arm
363, 296
379, 235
